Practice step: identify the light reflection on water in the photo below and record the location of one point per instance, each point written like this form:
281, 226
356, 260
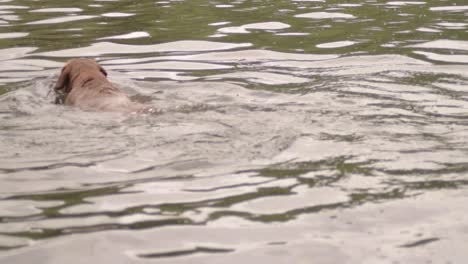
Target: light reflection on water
287, 131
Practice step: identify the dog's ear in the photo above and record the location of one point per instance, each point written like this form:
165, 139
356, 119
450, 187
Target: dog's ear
101, 69
63, 81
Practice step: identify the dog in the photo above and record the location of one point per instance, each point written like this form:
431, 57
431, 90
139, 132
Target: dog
83, 83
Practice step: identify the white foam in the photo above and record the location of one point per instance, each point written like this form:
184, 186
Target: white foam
117, 14
443, 44
449, 8
133, 35
58, 20
337, 44
325, 15
13, 35
57, 10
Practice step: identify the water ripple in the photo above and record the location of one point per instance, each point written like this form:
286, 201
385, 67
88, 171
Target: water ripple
102, 48
329, 130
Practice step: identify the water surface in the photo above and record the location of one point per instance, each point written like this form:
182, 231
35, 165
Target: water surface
304, 131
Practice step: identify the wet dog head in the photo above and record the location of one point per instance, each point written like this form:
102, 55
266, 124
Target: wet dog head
73, 69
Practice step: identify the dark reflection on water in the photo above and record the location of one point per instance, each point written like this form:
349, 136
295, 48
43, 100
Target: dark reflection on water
284, 131
186, 252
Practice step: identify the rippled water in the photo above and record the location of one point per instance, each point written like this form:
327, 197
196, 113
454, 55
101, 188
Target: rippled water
305, 131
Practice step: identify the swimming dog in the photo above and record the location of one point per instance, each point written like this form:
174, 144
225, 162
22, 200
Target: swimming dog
83, 83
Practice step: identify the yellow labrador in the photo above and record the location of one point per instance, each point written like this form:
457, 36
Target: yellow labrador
84, 84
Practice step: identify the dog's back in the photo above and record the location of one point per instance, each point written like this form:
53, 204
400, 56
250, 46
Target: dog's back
84, 84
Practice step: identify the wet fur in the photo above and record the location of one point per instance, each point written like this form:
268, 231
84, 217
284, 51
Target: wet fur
83, 83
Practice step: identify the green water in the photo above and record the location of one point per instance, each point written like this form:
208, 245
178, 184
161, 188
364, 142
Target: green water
286, 131
376, 24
